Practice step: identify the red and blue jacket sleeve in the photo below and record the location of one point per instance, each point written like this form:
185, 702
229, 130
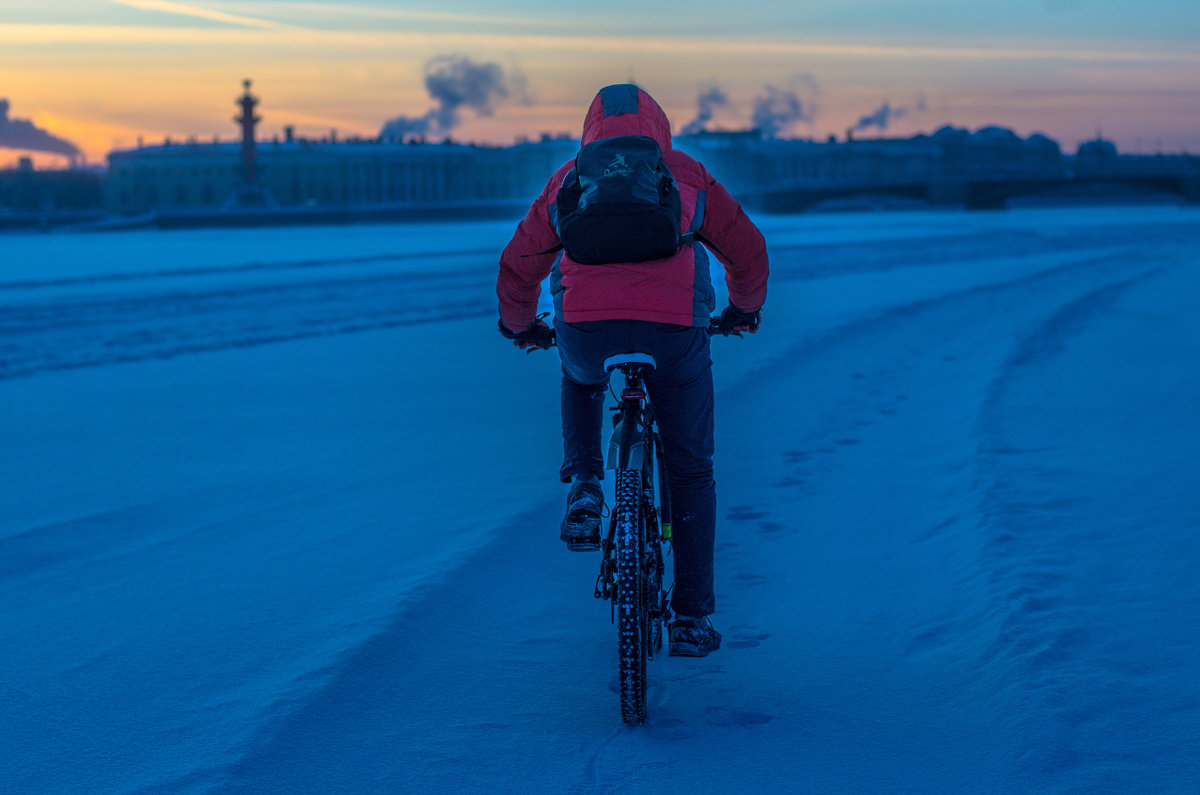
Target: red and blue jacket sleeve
528, 258
738, 244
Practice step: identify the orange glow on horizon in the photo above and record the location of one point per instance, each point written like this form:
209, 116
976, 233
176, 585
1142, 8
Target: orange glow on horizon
105, 86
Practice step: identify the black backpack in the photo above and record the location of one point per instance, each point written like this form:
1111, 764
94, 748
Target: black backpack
619, 204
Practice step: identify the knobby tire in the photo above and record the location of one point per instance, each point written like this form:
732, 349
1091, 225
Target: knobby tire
632, 614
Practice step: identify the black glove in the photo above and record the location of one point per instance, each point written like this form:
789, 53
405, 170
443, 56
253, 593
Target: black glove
734, 321
538, 336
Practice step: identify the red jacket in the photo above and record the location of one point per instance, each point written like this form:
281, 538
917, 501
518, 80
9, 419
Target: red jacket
674, 290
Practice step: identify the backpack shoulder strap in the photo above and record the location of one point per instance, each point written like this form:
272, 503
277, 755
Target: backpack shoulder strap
568, 190
697, 218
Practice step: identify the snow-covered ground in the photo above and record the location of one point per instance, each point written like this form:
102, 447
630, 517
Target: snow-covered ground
278, 512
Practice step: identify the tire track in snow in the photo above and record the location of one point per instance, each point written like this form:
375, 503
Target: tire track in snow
165, 313
811, 702
869, 511
446, 689
497, 676
821, 260
1052, 554
162, 274
493, 674
96, 331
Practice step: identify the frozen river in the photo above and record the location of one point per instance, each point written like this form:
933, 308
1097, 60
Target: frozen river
278, 512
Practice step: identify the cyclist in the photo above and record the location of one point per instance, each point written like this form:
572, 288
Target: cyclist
660, 307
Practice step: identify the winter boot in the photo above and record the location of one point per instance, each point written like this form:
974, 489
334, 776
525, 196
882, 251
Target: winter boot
581, 525
692, 637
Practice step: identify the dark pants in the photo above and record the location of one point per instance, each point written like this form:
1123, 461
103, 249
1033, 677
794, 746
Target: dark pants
681, 391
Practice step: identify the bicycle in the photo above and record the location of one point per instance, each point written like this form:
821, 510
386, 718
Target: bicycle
632, 559
631, 566
632, 563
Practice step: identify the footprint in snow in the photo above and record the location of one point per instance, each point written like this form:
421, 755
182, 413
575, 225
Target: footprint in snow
770, 528
744, 513
747, 641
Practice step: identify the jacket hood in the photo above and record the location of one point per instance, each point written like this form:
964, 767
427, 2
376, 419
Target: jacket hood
625, 109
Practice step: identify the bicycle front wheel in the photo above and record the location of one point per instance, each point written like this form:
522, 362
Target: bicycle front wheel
633, 615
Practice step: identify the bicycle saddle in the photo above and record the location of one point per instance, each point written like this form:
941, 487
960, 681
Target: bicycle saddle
644, 359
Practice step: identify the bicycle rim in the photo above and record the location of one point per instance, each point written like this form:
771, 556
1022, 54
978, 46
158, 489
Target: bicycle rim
632, 614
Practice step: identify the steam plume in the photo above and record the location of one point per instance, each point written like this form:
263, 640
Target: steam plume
455, 83
777, 110
22, 134
707, 103
885, 114
880, 117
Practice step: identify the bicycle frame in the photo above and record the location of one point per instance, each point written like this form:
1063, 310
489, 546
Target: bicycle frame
635, 433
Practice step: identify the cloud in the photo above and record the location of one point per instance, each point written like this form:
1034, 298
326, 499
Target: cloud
456, 84
22, 134
275, 34
319, 13
182, 9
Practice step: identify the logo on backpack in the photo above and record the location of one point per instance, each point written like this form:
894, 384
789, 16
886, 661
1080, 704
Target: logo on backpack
618, 167
619, 204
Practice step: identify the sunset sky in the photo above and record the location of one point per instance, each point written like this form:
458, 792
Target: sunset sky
101, 73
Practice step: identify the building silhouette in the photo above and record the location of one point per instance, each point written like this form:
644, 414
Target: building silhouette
297, 177
328, 173
303, 172
26, 190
